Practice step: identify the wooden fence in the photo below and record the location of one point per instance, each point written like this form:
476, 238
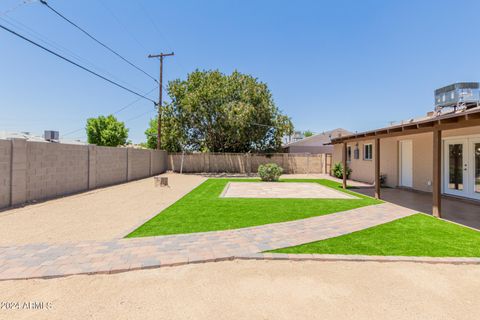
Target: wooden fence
246, 163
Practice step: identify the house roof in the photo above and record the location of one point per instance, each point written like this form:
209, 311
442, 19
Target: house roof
319, 139
423, 124
4, 135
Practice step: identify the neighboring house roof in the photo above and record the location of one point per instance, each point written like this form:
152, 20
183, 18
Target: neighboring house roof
410, 125
319, 139
4, 135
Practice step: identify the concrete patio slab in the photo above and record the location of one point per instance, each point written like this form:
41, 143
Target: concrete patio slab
460, 211
291, 190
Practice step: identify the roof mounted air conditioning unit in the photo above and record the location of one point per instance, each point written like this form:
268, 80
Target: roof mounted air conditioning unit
461, 95
51, 135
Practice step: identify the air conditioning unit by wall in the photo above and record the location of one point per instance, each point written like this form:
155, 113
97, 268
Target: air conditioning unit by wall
51, 135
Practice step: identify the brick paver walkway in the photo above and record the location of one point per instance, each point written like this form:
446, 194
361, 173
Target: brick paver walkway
53, 260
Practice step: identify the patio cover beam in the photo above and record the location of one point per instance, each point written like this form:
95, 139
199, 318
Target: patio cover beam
448, 122
437, 173
344, 164
377, 168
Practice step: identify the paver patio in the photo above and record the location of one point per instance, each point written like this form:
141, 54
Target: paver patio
297, 190
47, 260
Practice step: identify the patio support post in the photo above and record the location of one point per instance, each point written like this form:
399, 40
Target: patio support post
437, 173
377, 168
344, 164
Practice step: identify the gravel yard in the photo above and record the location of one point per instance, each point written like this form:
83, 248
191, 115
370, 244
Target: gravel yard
258, 290
101, 214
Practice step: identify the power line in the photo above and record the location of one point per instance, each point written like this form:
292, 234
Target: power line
44, 39
126, 121
149, 18
140, 115
70, 132
261, 125
115, 112
96, 40
17, 6
132, 103
76, 64
122, 25
157, 29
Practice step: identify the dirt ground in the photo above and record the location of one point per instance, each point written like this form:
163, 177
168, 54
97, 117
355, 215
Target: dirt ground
101, 214
257, 290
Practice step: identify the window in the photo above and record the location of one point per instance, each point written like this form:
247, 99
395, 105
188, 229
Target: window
367, 152
356, 152
349, 153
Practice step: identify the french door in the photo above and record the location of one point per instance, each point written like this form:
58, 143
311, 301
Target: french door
475, 167
462, 167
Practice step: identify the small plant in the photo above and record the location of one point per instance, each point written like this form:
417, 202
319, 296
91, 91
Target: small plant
383, 179
338, 171
270, 172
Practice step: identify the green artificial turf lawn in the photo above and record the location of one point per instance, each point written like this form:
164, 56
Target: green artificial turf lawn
416, 235
203, 210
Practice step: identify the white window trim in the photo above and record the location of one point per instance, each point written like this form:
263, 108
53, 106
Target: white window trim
349, 148
365, 153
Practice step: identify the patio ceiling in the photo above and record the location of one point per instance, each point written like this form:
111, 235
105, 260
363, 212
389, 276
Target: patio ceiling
434, 124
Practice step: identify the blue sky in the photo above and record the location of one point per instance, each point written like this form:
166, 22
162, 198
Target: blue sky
351, 64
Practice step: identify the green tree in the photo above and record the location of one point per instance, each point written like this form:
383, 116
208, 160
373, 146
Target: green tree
211, 111
106, 131
172, 135
308, 133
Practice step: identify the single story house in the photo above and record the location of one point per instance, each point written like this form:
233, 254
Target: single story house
318, 143
439, 153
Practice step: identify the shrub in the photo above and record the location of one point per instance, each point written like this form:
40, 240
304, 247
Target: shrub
338, 171
270, 172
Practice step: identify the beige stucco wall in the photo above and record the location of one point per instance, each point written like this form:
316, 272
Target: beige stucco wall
363, 170
389, 161
422, 161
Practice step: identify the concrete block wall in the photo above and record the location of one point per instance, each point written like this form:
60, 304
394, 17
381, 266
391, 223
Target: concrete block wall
227, 162
39, 170
111, 165
158, 162
139, 163
18, 174
246, 163
55, 169
5, 172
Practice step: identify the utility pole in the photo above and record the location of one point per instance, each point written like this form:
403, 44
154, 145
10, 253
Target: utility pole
159, 128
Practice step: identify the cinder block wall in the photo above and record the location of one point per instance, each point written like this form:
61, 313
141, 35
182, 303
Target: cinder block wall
159, 161
139, 164
5, 172
246, 163
111, 165
36, 170
52, 169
